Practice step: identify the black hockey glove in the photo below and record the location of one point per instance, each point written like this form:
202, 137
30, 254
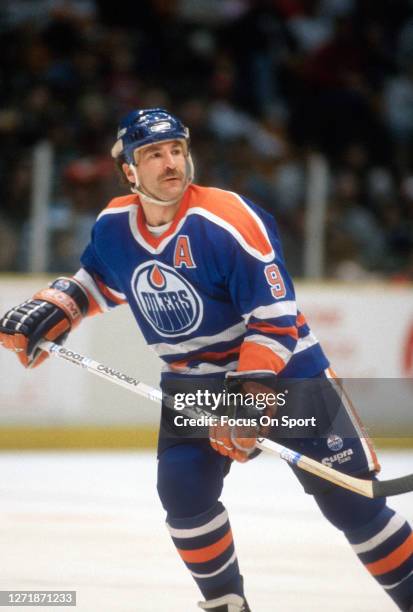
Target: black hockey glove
49, 315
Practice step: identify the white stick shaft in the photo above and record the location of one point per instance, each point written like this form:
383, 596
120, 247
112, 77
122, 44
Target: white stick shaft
99, 369
358, 485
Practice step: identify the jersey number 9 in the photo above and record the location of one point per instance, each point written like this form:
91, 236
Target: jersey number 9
274, 279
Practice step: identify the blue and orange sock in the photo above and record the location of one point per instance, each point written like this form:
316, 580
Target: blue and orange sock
385, 547
206, 546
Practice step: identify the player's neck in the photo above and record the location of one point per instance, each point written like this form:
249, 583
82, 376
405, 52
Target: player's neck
159, 215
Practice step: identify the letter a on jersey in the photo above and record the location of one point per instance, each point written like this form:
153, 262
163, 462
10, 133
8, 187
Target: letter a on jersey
183, 254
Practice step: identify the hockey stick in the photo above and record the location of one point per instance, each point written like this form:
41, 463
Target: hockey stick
368, 488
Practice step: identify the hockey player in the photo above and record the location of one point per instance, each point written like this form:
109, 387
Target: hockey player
203, 272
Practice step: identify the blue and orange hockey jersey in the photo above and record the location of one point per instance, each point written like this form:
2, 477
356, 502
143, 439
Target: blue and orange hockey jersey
211, 294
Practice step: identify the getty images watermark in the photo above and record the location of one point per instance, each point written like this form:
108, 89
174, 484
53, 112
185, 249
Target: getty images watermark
210, 401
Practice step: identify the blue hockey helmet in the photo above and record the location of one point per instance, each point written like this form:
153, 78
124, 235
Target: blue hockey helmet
144, 127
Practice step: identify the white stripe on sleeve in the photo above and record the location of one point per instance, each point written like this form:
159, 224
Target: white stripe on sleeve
273, 345
87, 281
272, 311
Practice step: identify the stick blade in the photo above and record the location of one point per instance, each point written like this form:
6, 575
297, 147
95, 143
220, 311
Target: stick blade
395, 486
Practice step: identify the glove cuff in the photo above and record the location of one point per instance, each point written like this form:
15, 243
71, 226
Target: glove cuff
67, 295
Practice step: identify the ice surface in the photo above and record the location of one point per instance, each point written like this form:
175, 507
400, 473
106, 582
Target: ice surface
92, 522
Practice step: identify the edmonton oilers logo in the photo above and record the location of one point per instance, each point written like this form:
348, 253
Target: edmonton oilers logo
334, 442
166, 299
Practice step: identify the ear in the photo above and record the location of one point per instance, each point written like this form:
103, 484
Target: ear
128, 173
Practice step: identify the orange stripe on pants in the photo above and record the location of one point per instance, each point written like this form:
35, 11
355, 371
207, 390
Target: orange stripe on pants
201, 555
393, 560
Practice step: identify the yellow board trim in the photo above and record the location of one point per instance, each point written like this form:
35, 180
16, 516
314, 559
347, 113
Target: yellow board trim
25, 438
397, 443
84, 438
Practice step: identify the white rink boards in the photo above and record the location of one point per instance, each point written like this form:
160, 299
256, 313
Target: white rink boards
92, 522
348, 320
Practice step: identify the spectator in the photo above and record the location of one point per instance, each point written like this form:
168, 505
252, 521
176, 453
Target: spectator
329, 75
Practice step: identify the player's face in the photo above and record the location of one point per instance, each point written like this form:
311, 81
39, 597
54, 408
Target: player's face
162, 169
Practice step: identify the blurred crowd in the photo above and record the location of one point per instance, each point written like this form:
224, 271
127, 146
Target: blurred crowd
262, 84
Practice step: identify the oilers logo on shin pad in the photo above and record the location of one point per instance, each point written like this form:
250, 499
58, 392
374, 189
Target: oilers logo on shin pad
166, 299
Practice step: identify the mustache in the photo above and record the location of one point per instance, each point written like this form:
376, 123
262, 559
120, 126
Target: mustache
171, 174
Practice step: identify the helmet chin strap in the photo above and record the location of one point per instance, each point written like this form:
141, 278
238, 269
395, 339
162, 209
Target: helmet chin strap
136, 188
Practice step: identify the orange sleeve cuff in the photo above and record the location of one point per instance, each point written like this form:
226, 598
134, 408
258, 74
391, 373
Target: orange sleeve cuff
255, 356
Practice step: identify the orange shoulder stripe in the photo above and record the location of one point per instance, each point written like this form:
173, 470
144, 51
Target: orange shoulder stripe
122, 201
230, 209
